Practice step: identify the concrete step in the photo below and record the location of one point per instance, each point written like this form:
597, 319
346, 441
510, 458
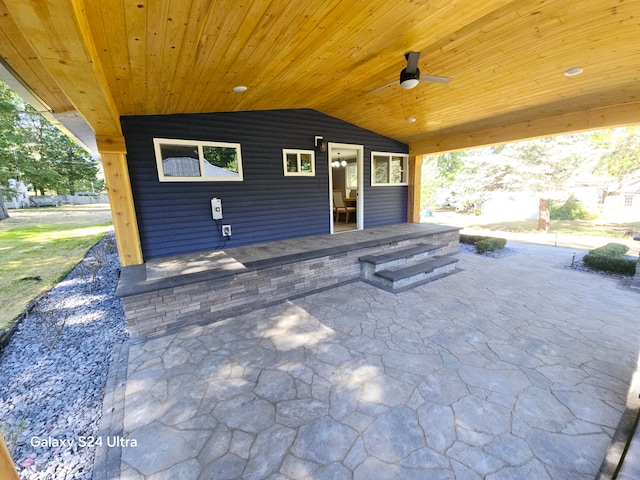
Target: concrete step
371, 264
414, 274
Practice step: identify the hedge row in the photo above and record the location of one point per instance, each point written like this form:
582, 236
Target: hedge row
483, 244
610, 258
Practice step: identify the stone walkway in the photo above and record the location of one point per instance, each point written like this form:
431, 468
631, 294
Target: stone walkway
513, 368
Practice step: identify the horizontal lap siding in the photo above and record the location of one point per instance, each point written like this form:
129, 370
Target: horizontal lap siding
175, 217
383, 205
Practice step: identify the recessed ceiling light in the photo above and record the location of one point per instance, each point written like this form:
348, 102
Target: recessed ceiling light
572, 72
240, 89
411, 119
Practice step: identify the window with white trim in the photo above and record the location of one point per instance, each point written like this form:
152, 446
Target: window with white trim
628, 201
389, 168
298, 162
197, 161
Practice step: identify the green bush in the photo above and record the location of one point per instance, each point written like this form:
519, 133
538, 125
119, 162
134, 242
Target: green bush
610, 258
572, 209
470, 239
483, 244
490, 244
611, 250
621, 265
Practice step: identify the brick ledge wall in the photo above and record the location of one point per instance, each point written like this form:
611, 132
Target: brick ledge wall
162, 310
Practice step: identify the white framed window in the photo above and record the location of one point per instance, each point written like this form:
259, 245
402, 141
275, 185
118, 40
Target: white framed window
298, 162
628, 201
197, 161
389, 168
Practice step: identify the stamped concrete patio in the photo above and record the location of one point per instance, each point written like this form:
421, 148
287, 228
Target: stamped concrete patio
513, 368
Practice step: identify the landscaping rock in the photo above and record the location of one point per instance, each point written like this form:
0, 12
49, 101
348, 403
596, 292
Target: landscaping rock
51, 393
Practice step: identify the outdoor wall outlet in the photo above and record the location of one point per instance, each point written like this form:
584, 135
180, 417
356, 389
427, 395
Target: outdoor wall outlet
226, 231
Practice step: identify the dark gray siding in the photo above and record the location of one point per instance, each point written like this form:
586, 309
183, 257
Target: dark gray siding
175, 217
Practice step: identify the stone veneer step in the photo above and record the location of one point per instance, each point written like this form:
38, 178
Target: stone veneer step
370, 264
414, 274
400, 253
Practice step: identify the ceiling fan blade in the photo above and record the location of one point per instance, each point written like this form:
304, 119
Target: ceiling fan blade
435, 79
382, 87
412, 61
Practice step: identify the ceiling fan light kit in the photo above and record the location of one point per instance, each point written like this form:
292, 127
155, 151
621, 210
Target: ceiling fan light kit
409, 79
410, 75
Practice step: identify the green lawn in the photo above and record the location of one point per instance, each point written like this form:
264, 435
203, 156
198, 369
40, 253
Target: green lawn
586, 228
579, 234
38, 247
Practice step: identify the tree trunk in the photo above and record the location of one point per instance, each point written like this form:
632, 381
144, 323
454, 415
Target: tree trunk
544, 215
72, 187
3, 209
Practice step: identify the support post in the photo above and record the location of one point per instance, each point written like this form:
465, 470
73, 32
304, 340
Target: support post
635, 281
7, 469
415, 188
114, 161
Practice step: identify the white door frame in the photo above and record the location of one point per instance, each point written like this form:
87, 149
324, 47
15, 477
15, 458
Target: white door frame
360, 165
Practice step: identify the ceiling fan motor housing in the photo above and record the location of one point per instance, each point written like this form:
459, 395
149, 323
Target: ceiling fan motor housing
409, 79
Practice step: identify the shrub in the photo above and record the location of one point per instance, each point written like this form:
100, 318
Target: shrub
610, 258
490, 244
483, 244
611, 250
621, 265
470, 239
572, 209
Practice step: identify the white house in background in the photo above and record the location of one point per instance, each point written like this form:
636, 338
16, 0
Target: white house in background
596, 195
19, 195
589, 191
623, 206
506, 206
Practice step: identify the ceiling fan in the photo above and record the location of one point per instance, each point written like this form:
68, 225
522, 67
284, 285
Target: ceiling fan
410, 76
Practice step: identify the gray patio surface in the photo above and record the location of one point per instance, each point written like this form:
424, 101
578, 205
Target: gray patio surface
514, 368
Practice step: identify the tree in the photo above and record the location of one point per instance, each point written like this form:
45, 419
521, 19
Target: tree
449, 164
3, 209
543, 166
621, 161
36, 152
7, 119
485, 171
439, 171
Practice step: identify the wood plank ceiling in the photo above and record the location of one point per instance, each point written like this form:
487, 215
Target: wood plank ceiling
137, 57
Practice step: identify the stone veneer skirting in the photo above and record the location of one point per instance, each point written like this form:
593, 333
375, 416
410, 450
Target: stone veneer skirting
157, 307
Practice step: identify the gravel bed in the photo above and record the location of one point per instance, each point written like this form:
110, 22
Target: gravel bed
53, 371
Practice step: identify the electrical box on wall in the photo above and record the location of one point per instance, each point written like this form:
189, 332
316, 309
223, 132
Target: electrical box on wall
216, 208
